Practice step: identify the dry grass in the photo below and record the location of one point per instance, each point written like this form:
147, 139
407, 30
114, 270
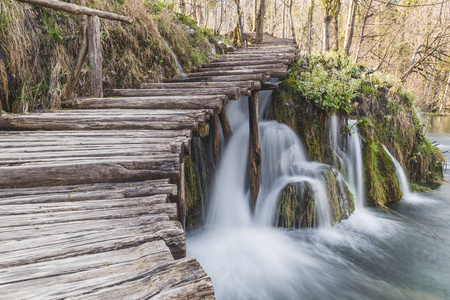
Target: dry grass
40, 46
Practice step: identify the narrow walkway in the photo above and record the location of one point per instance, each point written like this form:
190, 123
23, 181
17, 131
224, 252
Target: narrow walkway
92, 197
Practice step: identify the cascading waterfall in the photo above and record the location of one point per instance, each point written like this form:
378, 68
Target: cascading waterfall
369, 256
403, 180
351, 159
355, 169
284, 161
177, 62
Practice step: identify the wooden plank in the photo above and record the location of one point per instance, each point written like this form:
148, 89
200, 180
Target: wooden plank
179, 279
107, 119
95, 56
230, 92
216, 64
144, 102
156, 250
262, 66
276, 72
98, 214
78, 10
49, 248
198, 85
115, 169
253, 77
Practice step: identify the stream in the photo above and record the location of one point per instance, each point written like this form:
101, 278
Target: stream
371, 255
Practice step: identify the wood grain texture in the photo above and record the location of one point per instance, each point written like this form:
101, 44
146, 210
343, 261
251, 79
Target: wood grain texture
92, 202
230, 92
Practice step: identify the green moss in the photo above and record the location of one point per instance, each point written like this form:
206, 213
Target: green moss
296, 206
296, 201
380, 179
419, 188
192, 195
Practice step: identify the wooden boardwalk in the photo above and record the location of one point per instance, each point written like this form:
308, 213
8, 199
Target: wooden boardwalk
92, 197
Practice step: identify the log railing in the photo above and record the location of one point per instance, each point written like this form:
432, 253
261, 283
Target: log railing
90, 40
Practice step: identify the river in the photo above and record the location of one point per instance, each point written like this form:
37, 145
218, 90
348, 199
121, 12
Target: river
372, 255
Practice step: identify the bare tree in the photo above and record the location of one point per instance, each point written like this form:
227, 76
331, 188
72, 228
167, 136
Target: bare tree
350, 26
260, 22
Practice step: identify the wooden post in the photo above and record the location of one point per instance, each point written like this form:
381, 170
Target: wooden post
216, 138
255, 147
225, 123
181, 204
95, 56
82, 53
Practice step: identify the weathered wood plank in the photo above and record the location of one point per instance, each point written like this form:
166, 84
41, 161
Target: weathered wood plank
232, 93
262, 66
179, 279
77, 244
253, 77
82, 192
275, 72
116, 169
144, 101
107, 119
198, 85
217, 64
156, 250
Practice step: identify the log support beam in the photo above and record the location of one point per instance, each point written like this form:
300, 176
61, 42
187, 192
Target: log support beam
95, 56
181, 201
255, 156
216, 138
225, 123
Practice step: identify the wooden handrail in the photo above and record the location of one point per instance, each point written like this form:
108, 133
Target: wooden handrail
78, 10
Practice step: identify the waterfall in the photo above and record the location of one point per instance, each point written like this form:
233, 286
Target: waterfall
351, 159
177, 62
284, 161
213, 50
403, 180
354, 163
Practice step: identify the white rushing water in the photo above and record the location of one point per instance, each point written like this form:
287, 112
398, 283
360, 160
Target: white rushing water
351, 158
177, 62
355, 162
369, 256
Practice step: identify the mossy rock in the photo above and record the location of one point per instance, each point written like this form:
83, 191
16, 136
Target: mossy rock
380, 178
198, 172
296, 201
296, 206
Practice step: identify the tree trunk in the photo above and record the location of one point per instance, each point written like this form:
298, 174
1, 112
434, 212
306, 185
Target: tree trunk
350, 26
309, 27
284, 21
182, 7
326, 34
241, 26
292, 22
95, 57
254, 13
255, 156
260, 22
336, 25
